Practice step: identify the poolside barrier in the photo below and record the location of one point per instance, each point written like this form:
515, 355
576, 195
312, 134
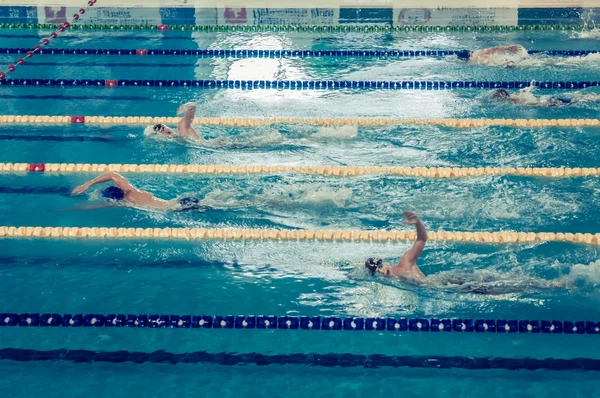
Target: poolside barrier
339, 171
292, 235
301, 84
46, 41
343, 28
300, 323
247, 53
254, 122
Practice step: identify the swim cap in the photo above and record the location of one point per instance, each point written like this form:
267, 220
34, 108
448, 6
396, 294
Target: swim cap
463, 55
500, 93
114, 193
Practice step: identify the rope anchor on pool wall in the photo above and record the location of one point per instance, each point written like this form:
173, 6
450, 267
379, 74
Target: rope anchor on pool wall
46, 40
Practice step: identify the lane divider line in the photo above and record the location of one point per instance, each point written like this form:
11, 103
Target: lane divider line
300, 323
292, 235
322, 121
309, 28
301, 84
248, 53
339, 171
300, 359
46, 41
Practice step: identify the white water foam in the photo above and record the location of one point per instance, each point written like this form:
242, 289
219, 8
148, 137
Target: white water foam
589, 274
541, 60
312, 195
335, 132
586, 34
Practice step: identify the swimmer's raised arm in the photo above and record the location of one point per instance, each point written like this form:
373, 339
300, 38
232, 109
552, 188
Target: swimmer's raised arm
188, 118
411, 256
117, 179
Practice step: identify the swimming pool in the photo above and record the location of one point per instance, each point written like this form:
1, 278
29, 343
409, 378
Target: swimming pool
292, 279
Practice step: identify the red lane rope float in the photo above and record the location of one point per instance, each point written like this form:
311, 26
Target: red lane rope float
46, 40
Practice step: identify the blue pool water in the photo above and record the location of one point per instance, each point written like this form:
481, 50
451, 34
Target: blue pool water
532, 281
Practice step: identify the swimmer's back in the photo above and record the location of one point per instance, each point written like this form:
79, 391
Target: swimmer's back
481, 56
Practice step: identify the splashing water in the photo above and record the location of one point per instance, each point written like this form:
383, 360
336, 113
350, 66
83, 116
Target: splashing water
526, 96
586, 34
313, 195
589, 31
541, 60
585, 274
335, 132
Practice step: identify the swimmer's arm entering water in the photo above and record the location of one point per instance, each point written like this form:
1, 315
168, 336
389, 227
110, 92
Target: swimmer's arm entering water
117, 179
408, 263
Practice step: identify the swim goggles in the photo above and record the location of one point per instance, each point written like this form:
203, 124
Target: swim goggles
160, 128
378, 263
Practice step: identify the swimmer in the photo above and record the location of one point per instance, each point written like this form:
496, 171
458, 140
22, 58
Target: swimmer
505, 56
123, 192
407, 266
526, 98
184, 127
408, 271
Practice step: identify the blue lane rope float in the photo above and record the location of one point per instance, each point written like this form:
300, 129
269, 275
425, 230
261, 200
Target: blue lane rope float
344, 360
302, 84
300, 323
248, 53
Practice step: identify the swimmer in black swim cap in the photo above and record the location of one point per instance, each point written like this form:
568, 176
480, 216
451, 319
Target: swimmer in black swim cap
505, 56
501, 94
124, 191
114, 193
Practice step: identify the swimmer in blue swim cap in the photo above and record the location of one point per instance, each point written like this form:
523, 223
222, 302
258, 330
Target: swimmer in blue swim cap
407, 266
184, 127
124, 192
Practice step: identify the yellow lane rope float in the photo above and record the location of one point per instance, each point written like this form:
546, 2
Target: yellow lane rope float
340, 171
253, 122
292, 235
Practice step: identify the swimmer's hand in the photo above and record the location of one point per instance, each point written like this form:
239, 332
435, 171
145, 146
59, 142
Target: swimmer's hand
411, 217
80, 189
184, 108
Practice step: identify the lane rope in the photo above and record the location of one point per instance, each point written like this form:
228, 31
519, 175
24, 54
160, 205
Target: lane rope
365, 53
322, 121
329, 360
309, 28
46, 41
292, 235
302, 84
338, 171
300, 323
